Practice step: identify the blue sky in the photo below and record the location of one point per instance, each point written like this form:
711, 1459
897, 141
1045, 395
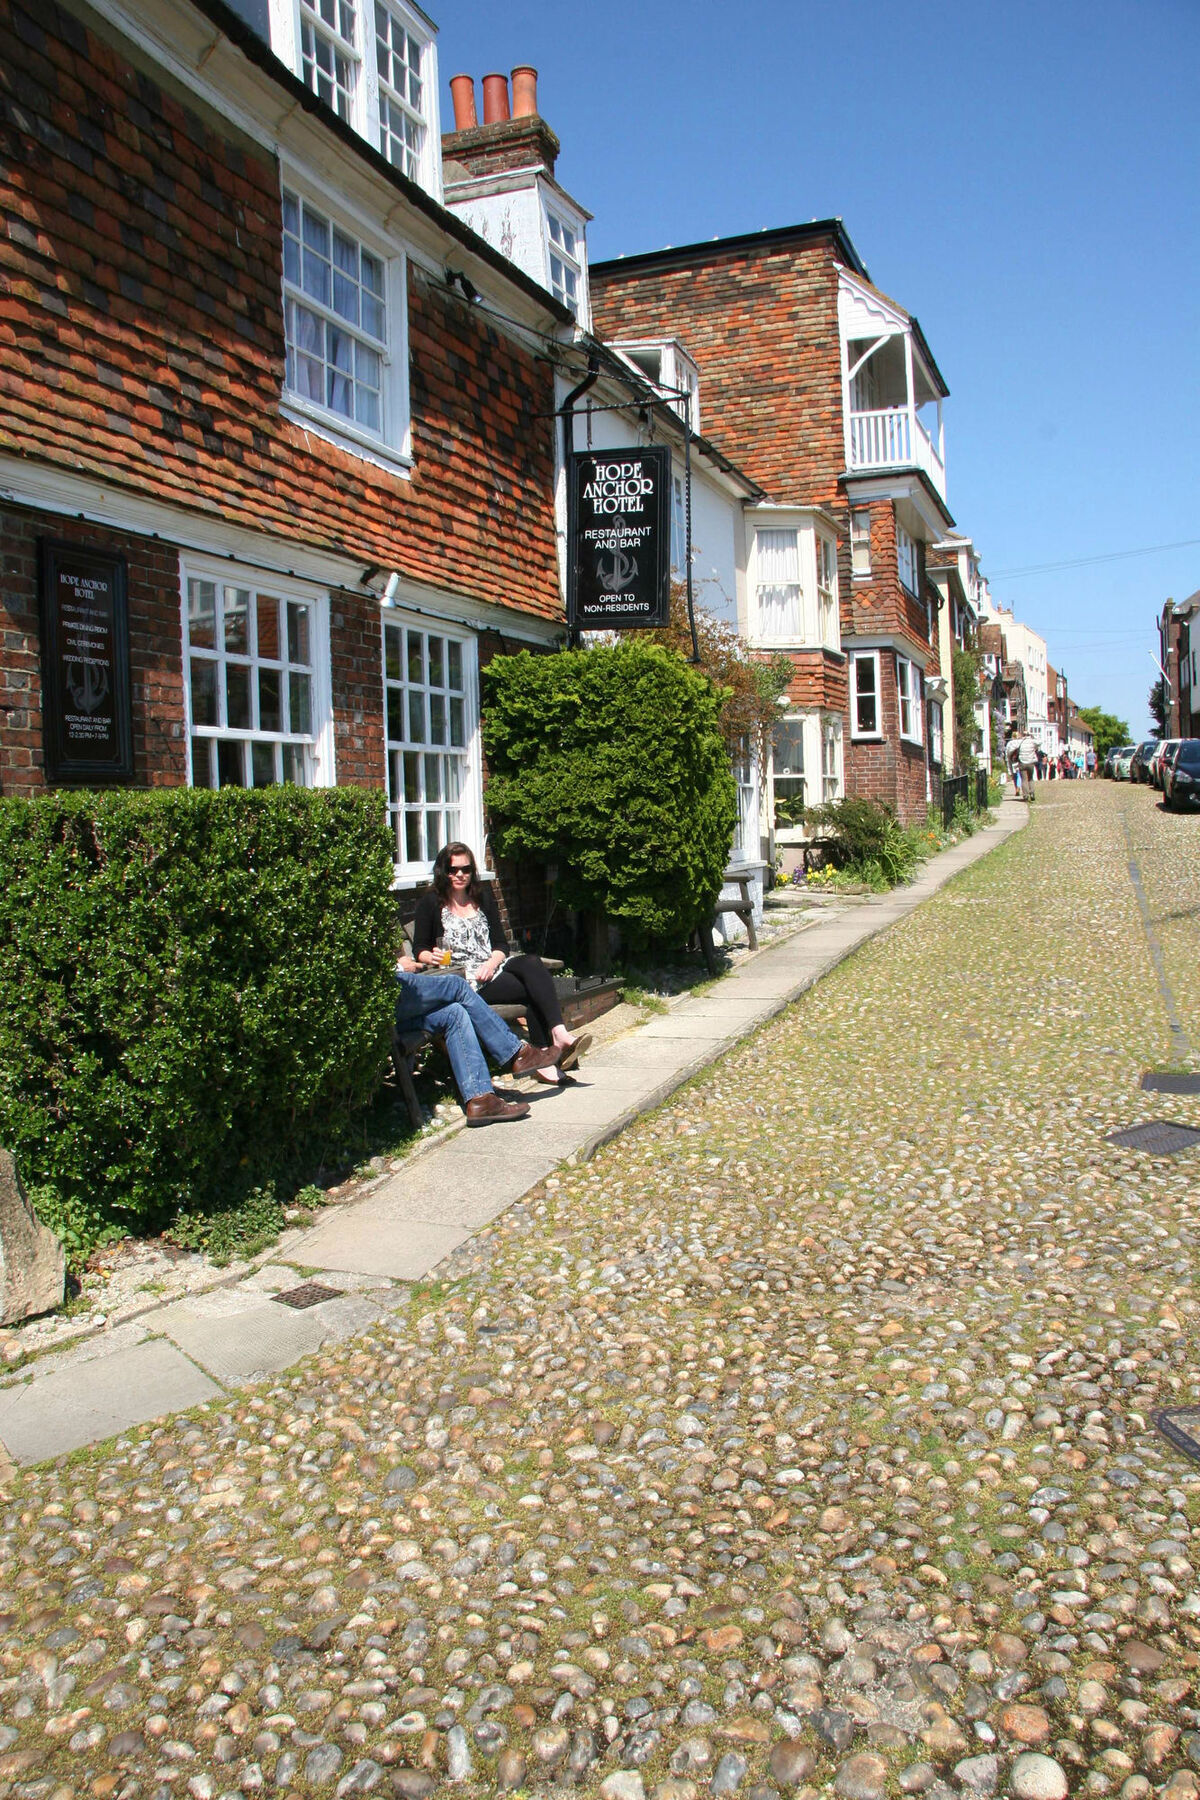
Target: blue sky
1023, 177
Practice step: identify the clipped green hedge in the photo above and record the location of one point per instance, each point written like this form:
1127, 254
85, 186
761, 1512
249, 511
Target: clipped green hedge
190, 984
610, 763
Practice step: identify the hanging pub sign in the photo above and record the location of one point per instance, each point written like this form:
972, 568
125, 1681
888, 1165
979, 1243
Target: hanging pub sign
619, 530
85, 665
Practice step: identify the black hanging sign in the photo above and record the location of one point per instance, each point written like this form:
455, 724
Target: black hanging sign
85, 665
619, 531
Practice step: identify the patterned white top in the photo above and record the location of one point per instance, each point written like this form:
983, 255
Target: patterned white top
468, 940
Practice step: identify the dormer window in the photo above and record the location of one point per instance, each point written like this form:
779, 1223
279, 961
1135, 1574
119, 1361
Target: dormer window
328, 53
564, 261
398, 57
374, 64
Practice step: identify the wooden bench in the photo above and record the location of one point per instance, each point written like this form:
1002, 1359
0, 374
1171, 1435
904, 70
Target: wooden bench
742, 908
406, 1045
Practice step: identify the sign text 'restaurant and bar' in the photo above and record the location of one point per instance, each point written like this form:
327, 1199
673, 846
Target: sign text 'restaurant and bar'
619, 560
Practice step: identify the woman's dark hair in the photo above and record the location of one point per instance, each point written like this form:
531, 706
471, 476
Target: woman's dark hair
441, 872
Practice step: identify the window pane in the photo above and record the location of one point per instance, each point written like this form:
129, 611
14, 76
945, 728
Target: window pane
453, 771
416, 717
262, 762
391, 652
437, 719
268, 627
295, 765
202, 762
237, 620
231, 770
433, 778
395, 715
412, 837
436, 675
298, 627
412, 775
202, 615
433, 833
300, 703
270, 716
237, 696
416, 656
455, 658
458, 735
204, 692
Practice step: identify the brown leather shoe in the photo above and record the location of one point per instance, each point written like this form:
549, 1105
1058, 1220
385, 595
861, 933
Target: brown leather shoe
490, 1109
529, 1058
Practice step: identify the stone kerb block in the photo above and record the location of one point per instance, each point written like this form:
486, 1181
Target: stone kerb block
32, 1264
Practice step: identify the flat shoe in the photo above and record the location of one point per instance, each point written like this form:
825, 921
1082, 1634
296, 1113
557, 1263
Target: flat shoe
490, 1109
573, 1052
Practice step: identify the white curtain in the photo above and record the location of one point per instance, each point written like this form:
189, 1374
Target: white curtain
780, 596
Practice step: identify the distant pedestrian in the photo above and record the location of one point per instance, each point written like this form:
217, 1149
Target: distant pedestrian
1012, 745
1027, 759
1090, 760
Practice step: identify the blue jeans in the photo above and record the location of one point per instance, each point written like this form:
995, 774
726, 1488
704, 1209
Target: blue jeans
451, 1006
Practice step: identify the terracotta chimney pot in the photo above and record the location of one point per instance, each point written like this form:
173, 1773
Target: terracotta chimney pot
495, 99
462, 91
524, 92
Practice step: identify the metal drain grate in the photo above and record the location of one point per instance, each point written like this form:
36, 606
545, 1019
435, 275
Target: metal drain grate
1159, 1136
309, 1293
1180, 1425
1156, 1083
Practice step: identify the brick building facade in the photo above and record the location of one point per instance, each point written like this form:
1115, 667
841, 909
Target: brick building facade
816, 384
311, 411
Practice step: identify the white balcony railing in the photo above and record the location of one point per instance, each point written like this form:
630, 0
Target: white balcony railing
894, 438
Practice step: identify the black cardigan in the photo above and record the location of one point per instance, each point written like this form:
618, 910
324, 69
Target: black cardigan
427, 921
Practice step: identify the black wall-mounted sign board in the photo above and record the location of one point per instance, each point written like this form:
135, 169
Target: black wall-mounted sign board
619, 539
85, 665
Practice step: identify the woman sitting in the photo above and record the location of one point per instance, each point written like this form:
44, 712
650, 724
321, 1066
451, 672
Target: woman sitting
459, 913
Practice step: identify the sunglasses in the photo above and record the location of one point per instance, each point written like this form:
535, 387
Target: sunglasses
461, 869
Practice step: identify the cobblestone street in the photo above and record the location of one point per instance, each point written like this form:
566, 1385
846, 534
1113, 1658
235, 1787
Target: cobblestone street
800, 1442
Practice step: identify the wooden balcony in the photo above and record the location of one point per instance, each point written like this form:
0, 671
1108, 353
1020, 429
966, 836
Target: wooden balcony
894, 438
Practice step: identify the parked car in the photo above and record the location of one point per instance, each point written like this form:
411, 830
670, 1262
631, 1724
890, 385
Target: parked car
1164, 748
1139, 762
1122, 762
1183, 776
1110, 761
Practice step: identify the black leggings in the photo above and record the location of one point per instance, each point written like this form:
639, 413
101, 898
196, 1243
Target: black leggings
526, 981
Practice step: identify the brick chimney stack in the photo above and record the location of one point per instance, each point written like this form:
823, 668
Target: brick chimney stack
515, 137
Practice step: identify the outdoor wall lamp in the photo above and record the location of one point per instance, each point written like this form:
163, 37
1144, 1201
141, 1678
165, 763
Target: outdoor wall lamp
384, 583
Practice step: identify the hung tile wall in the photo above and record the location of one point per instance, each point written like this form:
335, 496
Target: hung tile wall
141, 343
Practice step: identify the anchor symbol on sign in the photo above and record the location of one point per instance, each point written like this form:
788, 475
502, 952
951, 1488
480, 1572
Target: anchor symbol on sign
87, 686
620, 572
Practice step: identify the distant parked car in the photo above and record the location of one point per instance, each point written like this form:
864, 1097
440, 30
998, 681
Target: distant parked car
1123, 761
1164, 748
1110, 761
1139, 762
1183, 776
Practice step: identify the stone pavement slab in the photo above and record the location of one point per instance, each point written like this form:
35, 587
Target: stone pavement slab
382, 1241
236, 1334
82, 1403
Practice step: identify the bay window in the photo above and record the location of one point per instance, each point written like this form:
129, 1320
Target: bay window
866, 718
860, 540
827, 597
908, 687
780, 596
906, 559
256, 705
787, 765
431, 726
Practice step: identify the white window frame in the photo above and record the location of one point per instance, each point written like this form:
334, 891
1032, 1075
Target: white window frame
568, 288
678, 525
828, 623
832, 771
318, 744
794, 589
860, 541
409, 870
391, 447
936, 733
906, 560
310, 19
366, 114
799, 726
909, 696
857, 731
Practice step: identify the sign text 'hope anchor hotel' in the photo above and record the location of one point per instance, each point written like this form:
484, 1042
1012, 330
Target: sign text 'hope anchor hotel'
619, 566
85, 665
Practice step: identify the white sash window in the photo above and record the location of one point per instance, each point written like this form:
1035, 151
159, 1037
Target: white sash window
779, 592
